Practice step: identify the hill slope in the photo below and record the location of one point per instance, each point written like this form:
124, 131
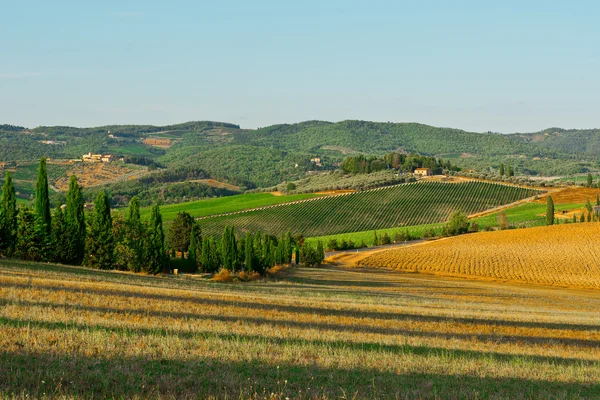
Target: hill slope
564, 255
423, 202
270, 155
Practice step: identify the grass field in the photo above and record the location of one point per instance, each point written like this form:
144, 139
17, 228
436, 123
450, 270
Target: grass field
563, 255
315, 333
425, 202
202, 208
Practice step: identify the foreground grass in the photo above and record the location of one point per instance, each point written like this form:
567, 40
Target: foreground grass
318, 333
220, 205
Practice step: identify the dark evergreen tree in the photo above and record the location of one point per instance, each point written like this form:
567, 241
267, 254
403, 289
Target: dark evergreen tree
179, 232
589, 180
42, 199
320, 253
193, 259
229, 249
156, 258
249, 253
135, 236
31, 236
8, 217
501, 169
549, 211
100, 241
59, 234
74, 215
582, 217
297, 255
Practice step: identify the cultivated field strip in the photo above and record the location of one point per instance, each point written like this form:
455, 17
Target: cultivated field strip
563, 255
401, 205
319, 333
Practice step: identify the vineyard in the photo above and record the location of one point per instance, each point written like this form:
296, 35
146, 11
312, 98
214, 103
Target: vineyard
401, 205
564, 255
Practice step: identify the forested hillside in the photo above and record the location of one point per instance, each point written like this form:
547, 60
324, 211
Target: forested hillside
270, 155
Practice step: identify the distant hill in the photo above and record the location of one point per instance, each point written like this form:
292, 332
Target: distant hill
267, 156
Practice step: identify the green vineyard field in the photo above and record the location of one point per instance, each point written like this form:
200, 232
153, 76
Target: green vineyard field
395, 206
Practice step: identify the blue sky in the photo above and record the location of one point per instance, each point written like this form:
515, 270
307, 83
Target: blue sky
509, 66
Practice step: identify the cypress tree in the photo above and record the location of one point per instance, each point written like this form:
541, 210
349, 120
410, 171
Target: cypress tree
501, 169
320, 252
31, 236
74, 216
588, 205
597, 199
100, 240
582, 217
42, 200
60, 251
249, 253
229, 249
155, 247
135, 236
297, 255
589, 180
205, 255
574, 218
8, 209
589, 217
192, 248
549, 211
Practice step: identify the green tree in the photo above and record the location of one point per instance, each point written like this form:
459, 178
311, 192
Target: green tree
589, 180
31, 236
42, 200
297, 255
193, 249
100, 240
59, 234
549, 211
291, 186
229, 249
320, 253
249, 256
457, 224
8, 217
501, 169
156, 258
180, 231
74, 240
582, 217
588, 205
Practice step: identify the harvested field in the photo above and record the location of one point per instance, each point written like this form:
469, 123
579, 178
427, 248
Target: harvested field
158, 142
572, 195
318, 333
94, 174
561, 255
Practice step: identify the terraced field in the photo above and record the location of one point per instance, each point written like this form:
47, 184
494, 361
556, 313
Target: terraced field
402, 205
313, 334
563, 255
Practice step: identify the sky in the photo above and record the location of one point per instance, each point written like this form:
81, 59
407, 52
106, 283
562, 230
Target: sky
509, 66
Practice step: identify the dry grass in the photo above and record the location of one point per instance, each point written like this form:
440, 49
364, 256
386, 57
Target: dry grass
94, 174
318, 333
572, 195
562, 255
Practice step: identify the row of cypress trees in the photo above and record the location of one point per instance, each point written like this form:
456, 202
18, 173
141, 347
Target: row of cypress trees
252, 253
67, 236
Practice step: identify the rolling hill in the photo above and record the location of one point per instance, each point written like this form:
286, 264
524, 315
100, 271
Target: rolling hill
422, 202
267, 156
563, 255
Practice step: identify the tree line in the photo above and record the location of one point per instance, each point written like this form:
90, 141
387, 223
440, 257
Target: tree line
362, 164
99, 239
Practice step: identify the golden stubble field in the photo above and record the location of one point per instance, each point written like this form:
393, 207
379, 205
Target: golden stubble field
559, 255
315, 333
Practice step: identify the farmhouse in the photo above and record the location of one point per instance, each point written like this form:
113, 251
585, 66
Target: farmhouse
96, 158
423, 172
316, 161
